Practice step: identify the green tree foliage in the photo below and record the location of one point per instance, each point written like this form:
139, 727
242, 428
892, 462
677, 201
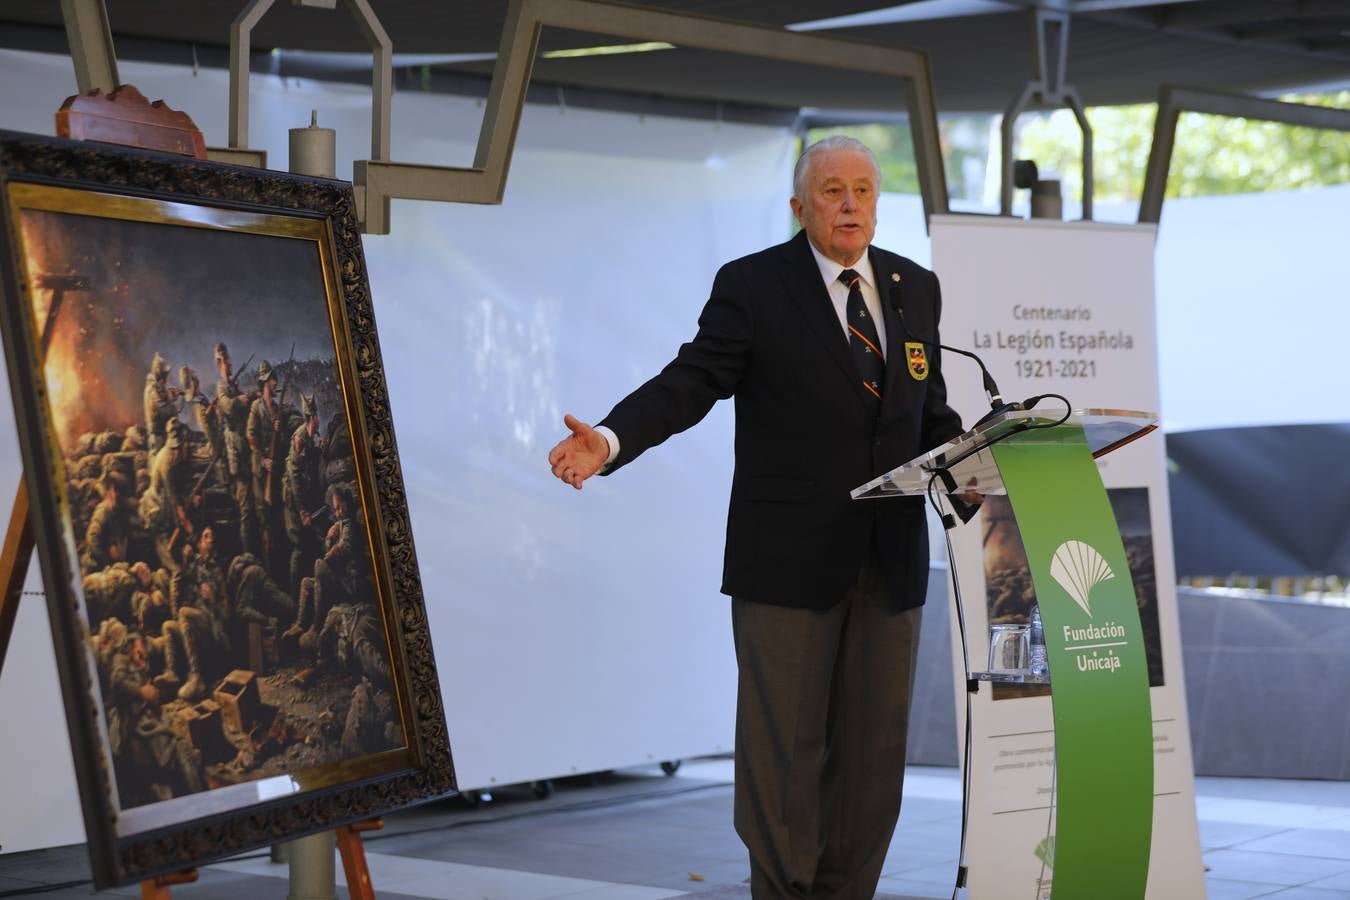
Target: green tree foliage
894, 149
1211, 154
962, 139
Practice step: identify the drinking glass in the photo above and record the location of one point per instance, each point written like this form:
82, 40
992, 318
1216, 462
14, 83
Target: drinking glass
1009, 648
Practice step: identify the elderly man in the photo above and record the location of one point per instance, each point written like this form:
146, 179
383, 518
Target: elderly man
826, 592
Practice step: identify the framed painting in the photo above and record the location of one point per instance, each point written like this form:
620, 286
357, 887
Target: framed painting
217, 500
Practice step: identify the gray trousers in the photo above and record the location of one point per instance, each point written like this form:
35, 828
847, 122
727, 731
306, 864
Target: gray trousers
822, 714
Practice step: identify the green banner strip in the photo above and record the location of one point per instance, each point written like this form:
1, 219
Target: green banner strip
1098, 673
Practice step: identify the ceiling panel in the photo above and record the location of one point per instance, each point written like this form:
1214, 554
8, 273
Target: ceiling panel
415, 26
1116, 55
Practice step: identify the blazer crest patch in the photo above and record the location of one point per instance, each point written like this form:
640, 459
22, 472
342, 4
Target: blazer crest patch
917, 360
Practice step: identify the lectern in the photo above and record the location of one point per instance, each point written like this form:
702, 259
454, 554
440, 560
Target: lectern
1094, 641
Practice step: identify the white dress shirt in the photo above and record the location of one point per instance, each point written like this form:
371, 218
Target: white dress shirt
829, 270
829, 273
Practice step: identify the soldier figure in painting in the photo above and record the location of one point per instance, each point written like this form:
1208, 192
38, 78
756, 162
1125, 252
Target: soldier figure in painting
160, 402
352, 641
199, 627
205, 568
208, 420
233, 409
302, 489
255, 595
343, 574
151, 597
164, 505
266, 430
147, 754
201, 567
105, 541
107, 593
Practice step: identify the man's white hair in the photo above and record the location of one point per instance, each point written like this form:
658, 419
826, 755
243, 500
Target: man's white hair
833, 142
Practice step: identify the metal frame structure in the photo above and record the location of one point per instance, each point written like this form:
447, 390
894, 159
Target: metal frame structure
91, 46
1174, 100
1052, 51
381, 87
377, 180
485, 181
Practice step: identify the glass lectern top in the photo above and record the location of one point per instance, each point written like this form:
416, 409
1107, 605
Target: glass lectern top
972, 466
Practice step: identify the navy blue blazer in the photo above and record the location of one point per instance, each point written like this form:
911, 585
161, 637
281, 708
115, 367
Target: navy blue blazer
806, 433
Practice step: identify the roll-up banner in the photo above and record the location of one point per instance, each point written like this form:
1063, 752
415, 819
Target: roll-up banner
1064, 308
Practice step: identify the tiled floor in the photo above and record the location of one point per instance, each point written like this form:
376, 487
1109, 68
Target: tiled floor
639, 836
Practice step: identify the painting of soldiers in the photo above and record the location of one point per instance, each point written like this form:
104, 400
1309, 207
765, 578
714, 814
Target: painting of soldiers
217, 529
180, 521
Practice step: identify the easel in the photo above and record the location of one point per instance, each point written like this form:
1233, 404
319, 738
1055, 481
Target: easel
354, 858
126, 118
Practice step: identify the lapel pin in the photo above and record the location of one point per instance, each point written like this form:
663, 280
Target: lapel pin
895, 276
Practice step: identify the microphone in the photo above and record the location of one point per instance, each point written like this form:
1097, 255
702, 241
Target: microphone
997, 405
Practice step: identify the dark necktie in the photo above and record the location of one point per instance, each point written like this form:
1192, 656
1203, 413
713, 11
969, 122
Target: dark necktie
862, 336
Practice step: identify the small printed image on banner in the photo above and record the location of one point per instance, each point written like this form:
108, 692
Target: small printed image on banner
1010, 594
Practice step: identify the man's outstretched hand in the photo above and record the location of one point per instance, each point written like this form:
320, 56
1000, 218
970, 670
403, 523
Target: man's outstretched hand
579, 455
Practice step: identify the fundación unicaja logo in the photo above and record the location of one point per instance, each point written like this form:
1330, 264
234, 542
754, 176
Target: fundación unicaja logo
1078, 567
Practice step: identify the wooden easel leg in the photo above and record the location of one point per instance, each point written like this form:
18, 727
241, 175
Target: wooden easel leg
158, 888
354, 858
19, 540
14, 560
